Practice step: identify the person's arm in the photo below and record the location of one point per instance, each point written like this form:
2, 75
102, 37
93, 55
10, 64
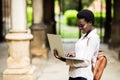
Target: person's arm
57, 56
88, 54
75, 63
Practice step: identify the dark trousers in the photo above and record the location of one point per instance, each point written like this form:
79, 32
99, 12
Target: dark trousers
77, 78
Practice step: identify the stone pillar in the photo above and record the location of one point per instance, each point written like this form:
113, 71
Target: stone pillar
18, 62
108, 21
1, 21
49, 17
38, 29
6, 4
115, 34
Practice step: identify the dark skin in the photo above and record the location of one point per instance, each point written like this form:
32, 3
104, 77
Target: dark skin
85, 27
57, 56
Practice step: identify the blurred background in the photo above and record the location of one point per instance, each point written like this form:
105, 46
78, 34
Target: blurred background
29, 21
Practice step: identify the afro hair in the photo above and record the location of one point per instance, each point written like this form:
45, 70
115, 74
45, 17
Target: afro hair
87, 15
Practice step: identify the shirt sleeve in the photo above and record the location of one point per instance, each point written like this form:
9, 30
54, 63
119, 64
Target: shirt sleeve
94, 59
92, 50
77, 63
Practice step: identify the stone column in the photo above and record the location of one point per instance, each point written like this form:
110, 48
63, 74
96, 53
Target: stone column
18, 62
38, 29
108, 21
49, 17
115, 33
1, 21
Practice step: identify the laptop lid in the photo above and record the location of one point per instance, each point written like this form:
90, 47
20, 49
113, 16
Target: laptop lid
55, 42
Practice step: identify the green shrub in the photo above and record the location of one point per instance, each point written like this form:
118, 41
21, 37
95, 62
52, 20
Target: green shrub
98, 21
98, 18
29, 16
71, 17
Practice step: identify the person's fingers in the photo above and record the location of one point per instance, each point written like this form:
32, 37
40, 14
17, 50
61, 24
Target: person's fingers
73, 54
70, 54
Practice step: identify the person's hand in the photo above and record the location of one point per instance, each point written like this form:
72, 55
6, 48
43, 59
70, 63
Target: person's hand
55, 52
70, 54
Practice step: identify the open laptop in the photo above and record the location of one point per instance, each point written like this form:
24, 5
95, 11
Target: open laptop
55, 42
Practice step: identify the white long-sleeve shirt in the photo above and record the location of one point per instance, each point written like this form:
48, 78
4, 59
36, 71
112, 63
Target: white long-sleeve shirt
86, 48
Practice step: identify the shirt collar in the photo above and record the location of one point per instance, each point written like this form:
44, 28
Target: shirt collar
94, 31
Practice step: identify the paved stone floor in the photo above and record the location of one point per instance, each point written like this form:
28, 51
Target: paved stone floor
53, 69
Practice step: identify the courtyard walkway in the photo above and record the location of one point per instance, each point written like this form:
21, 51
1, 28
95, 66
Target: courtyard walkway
53, 69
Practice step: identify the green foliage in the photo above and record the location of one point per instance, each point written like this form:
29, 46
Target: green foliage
98, 17
71, 17
97, 14
86, 3
29, 3
98, 21
68, 32
56, 11
29, 15
69, 4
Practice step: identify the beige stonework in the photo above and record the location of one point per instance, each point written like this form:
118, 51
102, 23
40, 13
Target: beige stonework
20, 71
39, 52
18, 62
37, 11
19, 77
38, 29
19, 65
38, 43
17, 74
18, 50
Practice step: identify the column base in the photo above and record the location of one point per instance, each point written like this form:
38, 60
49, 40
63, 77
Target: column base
19, 77
27, 70
20, 74
39, 52
38, 44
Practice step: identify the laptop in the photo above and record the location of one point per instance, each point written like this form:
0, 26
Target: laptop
55, 42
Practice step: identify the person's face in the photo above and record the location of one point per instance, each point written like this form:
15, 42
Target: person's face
84, 26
